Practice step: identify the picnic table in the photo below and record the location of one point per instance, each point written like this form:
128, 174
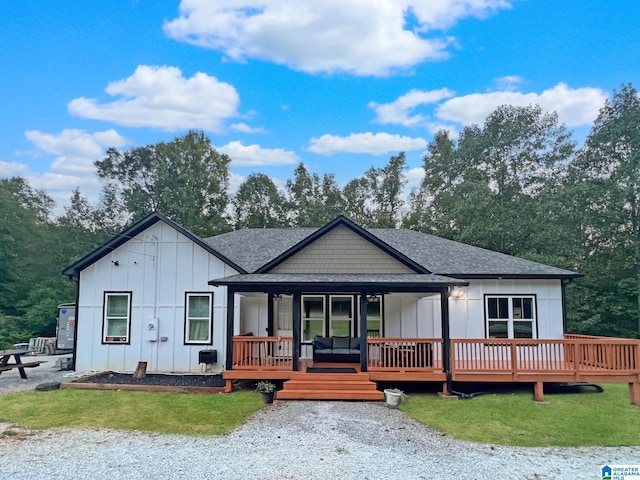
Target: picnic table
6, 364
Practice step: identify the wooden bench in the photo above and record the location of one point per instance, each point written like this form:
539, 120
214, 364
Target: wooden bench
21, 365
5, 365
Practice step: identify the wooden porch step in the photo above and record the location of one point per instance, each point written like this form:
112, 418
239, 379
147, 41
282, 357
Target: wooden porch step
372, 395
330, 377
315, 385
330, 386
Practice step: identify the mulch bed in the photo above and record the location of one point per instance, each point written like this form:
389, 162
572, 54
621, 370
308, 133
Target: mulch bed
151, 382
158, 379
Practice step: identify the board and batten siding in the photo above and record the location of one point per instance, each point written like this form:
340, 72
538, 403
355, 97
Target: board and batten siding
158, 266
407, 317
341, 251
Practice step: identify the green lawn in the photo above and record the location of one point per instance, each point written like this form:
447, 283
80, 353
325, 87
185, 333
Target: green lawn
584, 419
182, 413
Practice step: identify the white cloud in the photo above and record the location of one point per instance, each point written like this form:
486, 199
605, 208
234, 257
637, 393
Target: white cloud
244, 128
399, 111
508, 82
161, 97
575, 107
253, 155
76, 150
13, 169
371, 143
360, 37
414, 177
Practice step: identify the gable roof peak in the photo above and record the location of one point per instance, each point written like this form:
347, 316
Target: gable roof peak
341, 220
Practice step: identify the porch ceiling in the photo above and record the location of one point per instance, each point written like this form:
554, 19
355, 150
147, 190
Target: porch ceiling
335, 282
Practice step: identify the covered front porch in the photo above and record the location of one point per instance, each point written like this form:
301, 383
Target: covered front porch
286, 357
573, 359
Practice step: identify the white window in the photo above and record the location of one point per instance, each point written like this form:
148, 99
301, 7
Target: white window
510, 316
198, 318
341, 316
313, 316
117, 317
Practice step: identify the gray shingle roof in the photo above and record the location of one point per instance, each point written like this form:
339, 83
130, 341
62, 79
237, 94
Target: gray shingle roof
253, 248
450, 258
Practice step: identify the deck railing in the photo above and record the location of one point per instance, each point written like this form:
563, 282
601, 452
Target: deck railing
404, 353
545, 356
578, 354
265, 353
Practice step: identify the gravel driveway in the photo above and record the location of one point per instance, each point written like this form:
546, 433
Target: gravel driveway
290, 440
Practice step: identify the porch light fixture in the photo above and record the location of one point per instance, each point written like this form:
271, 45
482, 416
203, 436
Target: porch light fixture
457, 293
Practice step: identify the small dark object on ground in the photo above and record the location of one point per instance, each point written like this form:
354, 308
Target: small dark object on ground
46, 387
159, 379
571, 388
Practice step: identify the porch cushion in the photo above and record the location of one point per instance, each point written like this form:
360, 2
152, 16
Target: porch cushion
341, 342
354, 343
341, 351
322, 342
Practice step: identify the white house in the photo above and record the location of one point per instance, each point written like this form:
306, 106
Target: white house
158, 293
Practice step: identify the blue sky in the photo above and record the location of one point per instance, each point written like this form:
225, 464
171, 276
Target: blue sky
340, 85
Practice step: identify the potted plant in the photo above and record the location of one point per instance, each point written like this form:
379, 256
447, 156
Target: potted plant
267, 390
394, 397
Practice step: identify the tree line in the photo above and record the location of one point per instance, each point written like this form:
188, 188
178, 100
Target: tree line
517, 184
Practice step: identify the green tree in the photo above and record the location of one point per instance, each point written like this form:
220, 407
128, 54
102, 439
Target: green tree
483, 189
79, 214
186, 179
375, 199
386, 186
259, 204
605, 181
313, 201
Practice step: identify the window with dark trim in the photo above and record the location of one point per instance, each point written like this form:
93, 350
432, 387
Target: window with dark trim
116, 319
198, 318
313, 316
510, 316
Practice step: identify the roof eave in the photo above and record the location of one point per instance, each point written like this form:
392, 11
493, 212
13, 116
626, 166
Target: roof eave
513, 276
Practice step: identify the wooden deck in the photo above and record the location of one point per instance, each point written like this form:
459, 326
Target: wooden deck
572, 359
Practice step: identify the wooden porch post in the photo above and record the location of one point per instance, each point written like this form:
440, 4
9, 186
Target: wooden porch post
270, 320
446, 339
634, 393
363, 332
297, 328
230, 320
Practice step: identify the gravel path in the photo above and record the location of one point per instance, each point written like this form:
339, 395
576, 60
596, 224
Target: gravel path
290, 440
